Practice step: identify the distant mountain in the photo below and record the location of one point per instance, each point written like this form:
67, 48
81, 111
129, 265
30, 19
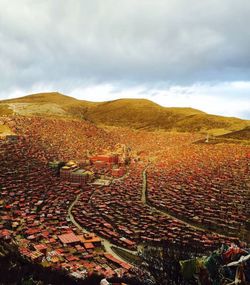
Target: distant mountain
135, 113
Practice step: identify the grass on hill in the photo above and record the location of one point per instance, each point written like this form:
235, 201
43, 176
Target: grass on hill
243, 134
132, 113
235, 137
5, 110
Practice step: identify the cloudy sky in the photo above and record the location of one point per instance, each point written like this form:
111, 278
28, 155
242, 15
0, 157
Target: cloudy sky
174, 52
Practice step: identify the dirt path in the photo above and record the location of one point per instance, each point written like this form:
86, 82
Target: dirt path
166, 213
144, 186
107, 244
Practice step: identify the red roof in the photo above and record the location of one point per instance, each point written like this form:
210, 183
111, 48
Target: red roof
89, 245
69, 238
115, 260
40, 247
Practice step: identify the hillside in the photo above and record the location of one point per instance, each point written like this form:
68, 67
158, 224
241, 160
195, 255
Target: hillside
135, 113
243, 134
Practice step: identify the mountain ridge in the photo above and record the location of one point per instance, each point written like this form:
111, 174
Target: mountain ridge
134, 113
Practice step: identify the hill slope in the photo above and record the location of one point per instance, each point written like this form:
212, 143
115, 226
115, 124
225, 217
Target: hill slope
135, 113
243, 134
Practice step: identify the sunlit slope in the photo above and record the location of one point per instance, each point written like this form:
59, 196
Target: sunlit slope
48, 104
134, 113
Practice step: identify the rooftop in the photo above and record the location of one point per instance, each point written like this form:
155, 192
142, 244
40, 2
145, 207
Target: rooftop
68, 238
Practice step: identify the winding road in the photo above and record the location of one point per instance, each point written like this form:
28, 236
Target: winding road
145, 202
166, 213
106, 243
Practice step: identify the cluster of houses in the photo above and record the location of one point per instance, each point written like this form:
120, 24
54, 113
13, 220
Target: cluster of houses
34, 206
210, 190
118, 214
91, 170
198, 185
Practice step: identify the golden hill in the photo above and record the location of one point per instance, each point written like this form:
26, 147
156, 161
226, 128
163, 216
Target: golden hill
52, 97
135, 113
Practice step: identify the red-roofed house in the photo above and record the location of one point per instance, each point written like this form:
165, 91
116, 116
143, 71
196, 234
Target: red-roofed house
69, 238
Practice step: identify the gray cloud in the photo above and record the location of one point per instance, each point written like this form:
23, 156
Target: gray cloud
72, 44
77, 42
